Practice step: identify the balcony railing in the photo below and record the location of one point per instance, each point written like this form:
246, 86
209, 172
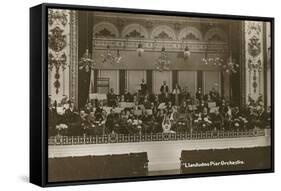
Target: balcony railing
129, 138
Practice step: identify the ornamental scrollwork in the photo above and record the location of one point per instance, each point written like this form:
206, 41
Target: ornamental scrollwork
56, 39
56, 17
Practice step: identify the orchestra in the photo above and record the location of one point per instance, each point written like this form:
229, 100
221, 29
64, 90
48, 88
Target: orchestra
141, 113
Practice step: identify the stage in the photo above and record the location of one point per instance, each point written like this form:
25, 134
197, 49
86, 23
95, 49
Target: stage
162, 155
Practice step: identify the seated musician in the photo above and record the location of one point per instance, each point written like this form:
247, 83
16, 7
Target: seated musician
134, 124
88, 108
174, 116
90, 124
73, 120
158, 121
124, 116
166, 97
111, 98
199, 95
217, 120
203, 121
153, 107
183, 108
167, 124
127, 96
52, 118
169, 107
84, 121
148, 122
266, 118
214, 95
111, 124
185, 96
228, 118
239, 121
146, 103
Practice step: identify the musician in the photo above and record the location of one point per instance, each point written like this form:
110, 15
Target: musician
214, 95
185, 96
165, 98
111, 123
73, 120
167, 124
111, 98
52, 118
148, 121
127, 96
146, 103
164, 88
158, 121
217, 120
143, 86
176, 94
199, 95
183, 108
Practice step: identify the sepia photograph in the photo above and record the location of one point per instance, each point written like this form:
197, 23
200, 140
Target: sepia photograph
139, 95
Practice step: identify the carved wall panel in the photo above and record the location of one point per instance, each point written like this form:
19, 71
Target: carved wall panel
254, 60
62, 54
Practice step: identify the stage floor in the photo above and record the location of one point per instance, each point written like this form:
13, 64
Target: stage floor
162, 155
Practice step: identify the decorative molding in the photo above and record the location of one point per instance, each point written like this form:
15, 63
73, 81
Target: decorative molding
105, 29
73, 72
135, 31
163, 32
156, 45
190, 34
215, 35
254, 60
58, 52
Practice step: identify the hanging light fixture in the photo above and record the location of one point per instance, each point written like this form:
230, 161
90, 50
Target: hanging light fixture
86, 62
163, 61
140, 49
186, 51
230, 66
110, 58
217, 59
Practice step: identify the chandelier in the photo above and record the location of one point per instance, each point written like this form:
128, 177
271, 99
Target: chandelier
226, 65
140, 49
216, 60
230, 66
86, 62
186, 51
109, 57
163, 61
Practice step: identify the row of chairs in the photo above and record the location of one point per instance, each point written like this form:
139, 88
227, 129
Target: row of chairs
97, 167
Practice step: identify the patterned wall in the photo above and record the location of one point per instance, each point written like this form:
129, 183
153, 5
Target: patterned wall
62, 54
254, 59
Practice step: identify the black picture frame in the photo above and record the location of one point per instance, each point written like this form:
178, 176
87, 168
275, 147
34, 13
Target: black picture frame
39, 96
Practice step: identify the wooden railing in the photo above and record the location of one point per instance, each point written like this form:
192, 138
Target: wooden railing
128, 138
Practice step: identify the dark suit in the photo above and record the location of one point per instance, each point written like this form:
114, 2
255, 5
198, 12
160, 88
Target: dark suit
164, 89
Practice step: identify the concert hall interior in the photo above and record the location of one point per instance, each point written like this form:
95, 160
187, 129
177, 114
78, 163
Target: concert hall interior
138, 90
